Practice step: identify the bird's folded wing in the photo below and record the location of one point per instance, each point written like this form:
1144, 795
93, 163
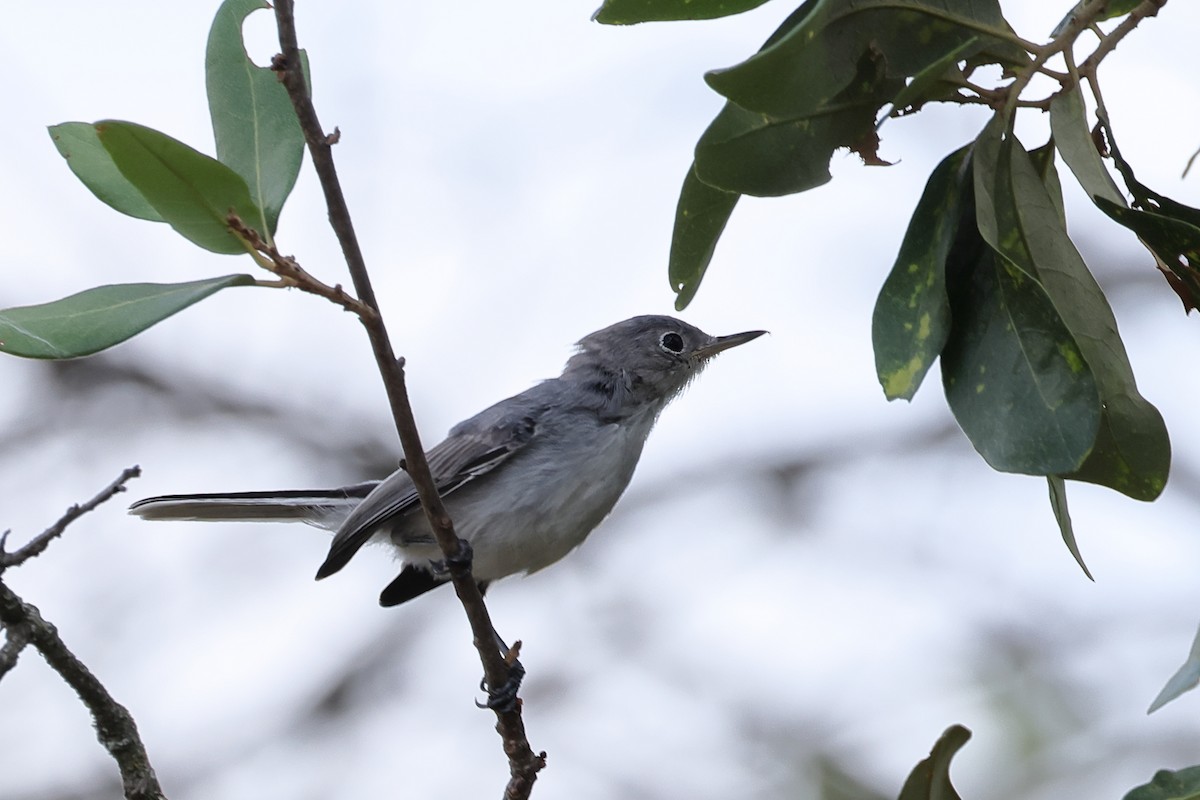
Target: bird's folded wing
471, 450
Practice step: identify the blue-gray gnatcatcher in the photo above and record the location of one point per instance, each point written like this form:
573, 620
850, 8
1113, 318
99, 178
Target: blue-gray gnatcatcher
525, 481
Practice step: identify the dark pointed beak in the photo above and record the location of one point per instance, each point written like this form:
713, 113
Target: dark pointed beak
720, 343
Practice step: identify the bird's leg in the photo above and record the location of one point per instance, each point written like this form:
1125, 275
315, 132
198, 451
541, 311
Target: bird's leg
504, 697
501, 698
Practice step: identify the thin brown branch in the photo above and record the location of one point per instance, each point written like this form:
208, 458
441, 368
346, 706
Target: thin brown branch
1109, 42
15, 640
115, 728
24, 625
291, 274
40, 542
523, 763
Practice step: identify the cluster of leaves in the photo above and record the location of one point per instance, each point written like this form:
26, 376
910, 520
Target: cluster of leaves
987, 277
149, 175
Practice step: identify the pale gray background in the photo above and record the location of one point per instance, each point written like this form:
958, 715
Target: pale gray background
800, 574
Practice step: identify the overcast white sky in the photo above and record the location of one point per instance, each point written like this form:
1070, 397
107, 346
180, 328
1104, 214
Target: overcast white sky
512, 170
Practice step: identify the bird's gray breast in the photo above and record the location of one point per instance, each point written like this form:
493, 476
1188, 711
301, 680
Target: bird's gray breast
542, 502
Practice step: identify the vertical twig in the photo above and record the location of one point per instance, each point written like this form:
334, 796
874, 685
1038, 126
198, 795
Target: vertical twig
523, 763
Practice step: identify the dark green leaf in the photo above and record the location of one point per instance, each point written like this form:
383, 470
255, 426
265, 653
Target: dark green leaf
78, 143
1073, 138
256, 130
930, 779
746, 152
912, 315
1174, 242
1058, 501
1144, 197
1165, 226
1043, 161
804, 70
628, 12
1012, 372
1181, 784
936, 81
700, 219
99, 318
1186, 678
193, 192
1131, 451
1119, 8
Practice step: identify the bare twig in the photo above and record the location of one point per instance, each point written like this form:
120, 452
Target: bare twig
24, 625
40, 542
1147, 8
523, 763
1008, 97
115, 727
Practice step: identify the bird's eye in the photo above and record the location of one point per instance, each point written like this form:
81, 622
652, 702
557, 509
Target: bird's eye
671, 342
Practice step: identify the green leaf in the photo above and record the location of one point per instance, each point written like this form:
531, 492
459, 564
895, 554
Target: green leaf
629, 12
1012, 372
99, 318
700, 218
749, 153
1131, 450
78, 143
934, 82
1119, 8
817, 60
1073, 138
1181, 784
1166, 227
1186, 678
1058, 501
1174, 242
912, 315
193, 192
255, 127
930, 779
1043, 161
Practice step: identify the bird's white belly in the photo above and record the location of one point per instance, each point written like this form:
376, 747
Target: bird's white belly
532, 511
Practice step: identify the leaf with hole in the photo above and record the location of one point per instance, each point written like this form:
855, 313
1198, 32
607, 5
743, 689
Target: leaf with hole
96, 319
940, 80
802, 71
1174, 242
746, 152
255, 127
192, 192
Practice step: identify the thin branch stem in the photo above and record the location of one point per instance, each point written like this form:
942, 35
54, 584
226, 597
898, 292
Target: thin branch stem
523, 763
1109, 42
24, 625
39, 543
115, 727
291, 274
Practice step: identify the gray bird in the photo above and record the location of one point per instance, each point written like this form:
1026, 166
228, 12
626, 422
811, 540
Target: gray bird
525, 481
